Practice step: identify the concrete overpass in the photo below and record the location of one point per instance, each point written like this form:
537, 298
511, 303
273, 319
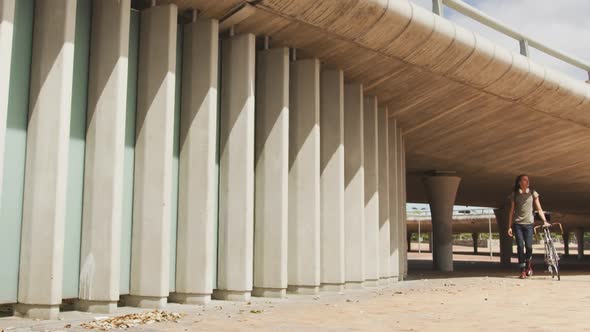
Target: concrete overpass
127, 175
453, 92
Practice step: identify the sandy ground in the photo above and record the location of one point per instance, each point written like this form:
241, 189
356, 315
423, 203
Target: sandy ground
478, 296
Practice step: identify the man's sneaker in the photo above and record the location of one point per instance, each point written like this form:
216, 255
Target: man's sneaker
522, 273
529, 268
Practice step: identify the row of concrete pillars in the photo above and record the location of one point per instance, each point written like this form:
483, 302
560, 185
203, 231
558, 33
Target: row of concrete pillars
291, 177
505, 253
579, 234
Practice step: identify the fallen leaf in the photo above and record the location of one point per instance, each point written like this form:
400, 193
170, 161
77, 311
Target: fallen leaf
131, 320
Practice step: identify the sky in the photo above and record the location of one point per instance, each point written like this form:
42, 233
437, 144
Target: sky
560, 24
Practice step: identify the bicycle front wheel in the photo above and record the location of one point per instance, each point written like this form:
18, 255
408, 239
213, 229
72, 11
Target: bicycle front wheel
554, 261
548, 258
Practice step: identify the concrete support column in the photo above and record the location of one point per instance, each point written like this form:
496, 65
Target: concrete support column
7, 10
400, 202
197, 196
505, 240
354, 179
272, 173
383, 186
580, 238
394, 199
371, 167
404, 200
430, 237
441, 192
475, 238
41, 256
236, 167
105, 142
150, 249
566, 243
332, 260
304, 177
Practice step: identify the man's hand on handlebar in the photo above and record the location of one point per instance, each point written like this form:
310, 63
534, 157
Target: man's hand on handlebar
546, 224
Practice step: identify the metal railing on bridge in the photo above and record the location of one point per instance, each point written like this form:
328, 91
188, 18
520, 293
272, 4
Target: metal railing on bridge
458, 212
524, 40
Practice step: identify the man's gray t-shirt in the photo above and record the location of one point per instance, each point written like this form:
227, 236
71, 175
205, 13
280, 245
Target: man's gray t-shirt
523, 207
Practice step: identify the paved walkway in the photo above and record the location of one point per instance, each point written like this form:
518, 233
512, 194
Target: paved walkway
478, 296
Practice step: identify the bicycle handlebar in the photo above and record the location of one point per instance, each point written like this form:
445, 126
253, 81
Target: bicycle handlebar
553, 224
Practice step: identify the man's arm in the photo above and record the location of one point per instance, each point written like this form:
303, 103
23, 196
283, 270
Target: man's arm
510, 215
540, 210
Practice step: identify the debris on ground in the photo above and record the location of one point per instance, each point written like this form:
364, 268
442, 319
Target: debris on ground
131, 320
256, 311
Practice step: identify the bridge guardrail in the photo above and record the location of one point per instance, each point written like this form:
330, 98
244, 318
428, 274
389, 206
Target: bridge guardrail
463, 212
524, 40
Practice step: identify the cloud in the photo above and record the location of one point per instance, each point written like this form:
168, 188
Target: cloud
562, 25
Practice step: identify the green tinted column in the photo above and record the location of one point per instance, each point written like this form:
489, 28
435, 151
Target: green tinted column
14, 150
6, 33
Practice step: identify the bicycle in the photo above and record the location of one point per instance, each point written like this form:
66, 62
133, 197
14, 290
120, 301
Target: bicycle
551, 256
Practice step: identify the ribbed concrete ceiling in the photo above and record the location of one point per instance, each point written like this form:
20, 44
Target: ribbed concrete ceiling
465, 104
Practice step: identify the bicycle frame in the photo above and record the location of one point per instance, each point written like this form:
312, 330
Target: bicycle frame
551, 256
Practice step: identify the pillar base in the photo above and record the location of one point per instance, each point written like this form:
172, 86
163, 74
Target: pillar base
303, 290
103, 307
384, 282
354, 285
188, 298
332, 288
371, 283
394, 279
228, 295
277, 293
149, 302
37, 311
